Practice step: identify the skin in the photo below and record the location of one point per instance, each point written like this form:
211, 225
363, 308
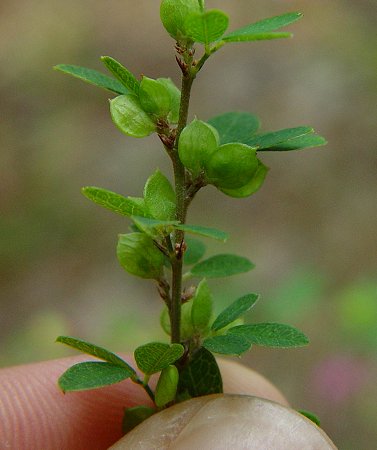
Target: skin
35, 414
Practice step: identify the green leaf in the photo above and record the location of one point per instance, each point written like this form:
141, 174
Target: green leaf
201, 376
139, 256
134, 416
123, 74
94, 350
204, 231
271, 335
129, 116
201, 310
271, 139
206, 27
125, 206
159, 197
234, 311
197, 142
173, 14
235, 126
252, 186
93, 77
195, 251
221, 266
228, 344
232, 166
262, 29
175, 98
298, 143
155, 356
154, 97
92, 375
256, 37
166, 386
311, 416
154, 228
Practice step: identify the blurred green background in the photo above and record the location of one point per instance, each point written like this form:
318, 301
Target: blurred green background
311, 229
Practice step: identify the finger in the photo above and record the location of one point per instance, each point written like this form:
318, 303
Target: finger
239, 379
229, 421
35, 414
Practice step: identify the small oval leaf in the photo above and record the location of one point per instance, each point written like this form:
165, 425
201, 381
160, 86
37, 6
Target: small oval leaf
204, 231
125, 206
271, 139
234, 311
235, 126
227, 344
206, 27
123, 74
221, 266
263, 28
93, 77
94, 350
271, 335
155, 356
298, 143
92, 375
201, 376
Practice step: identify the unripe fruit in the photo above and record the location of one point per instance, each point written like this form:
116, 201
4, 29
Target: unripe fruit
252, 186
154, 97
197, 143
139, 256
232, 166
173, 14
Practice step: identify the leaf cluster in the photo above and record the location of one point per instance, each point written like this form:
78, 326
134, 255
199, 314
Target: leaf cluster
224, 152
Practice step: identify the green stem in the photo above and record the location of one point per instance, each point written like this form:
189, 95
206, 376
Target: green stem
145, 386
180, 190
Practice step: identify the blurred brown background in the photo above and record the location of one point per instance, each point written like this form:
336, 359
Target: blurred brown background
311, 229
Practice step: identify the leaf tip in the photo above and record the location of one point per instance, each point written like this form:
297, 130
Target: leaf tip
58, 67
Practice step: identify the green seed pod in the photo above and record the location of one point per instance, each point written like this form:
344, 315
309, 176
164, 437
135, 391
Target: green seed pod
187, 329
166, 386
175, 98
154, 97
173, 14
232, 166
197, 143
252, 186
129, 116
139, 256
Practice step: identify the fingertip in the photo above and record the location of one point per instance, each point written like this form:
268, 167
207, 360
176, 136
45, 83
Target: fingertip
36, 414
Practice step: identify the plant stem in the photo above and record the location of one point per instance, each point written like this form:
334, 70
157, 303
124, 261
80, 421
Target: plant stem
180, 190
145, 386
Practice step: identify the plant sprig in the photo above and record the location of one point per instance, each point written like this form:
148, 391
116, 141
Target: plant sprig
222, 151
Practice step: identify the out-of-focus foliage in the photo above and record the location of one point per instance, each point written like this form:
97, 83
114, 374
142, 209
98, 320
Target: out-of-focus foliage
310, 229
